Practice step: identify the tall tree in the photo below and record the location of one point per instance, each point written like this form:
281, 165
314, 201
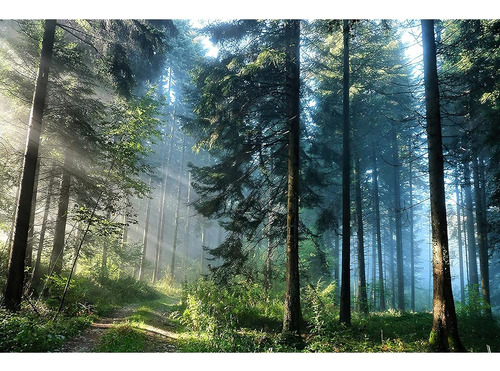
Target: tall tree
56, 257
363, 300
15, 276
292, 313
345, 290
444, 335
379, 237
459, 237
482, 237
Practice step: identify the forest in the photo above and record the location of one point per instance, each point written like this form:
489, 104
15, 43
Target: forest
244, 185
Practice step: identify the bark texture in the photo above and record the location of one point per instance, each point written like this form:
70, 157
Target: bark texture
15, 275
292, 313
444, 335
345, 289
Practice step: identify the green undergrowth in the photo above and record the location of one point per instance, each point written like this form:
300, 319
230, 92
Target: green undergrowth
87, 300
241, 319
121, 339
27, 332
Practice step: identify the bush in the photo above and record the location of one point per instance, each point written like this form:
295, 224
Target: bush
29, 333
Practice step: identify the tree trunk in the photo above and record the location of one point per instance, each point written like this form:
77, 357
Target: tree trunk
268, 270
163, 202
31, 231
187, 224
471, 238
397, 215
15, 275
345, 290
56, 257
145, 237
177, 210
459, 235
481, 239
373, 295
444, 335
391, 262
292, 313
379, 237
104, 260
37, 274
363, 300
412, 244
202, 251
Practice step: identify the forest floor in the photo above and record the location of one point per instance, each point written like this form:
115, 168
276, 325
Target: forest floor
158, 325
139, 327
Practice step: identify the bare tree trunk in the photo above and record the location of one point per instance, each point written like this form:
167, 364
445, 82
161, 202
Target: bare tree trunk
56, 257
178, 208
459, 234
412, 244
163, 202
345, 290
202, 251
15, 275
444, 335
373, 296
391, 262
36, 270
397, 214
471, 238
142, 265
31, 231
104, 260
268, 270
379, 237
187, 224
363, 300
481, 239
292, 316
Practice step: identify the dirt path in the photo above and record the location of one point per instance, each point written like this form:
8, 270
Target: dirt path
88, 340
158, 330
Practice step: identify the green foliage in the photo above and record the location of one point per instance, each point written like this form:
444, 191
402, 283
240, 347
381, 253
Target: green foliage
318, 307
122, 338
474, 306
85, 295
29, 333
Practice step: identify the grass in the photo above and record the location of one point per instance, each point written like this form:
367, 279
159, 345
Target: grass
122, 339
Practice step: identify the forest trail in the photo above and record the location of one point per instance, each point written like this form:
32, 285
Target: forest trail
148, 320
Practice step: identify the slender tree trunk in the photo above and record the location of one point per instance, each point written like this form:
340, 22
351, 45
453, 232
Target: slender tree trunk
37, 274
202, 251
481, 239
391, 262
471, 238
163, 202
363, 300
459, 235
373, 297
444, 335
412, 245
345, 290
145, 237
292, 315
379, 237
336, 256
31, 231
15, 275
397, 214
56, 257
187, 224
104, 260
268, 270
178, 209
